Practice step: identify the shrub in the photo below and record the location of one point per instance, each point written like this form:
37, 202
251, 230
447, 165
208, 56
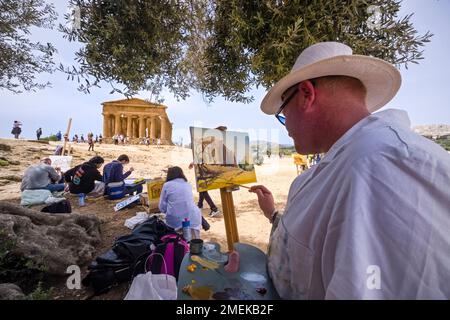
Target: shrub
50, 138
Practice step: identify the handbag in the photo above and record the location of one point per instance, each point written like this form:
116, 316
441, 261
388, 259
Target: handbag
149, 286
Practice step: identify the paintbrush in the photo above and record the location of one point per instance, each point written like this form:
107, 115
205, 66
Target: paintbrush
238, 185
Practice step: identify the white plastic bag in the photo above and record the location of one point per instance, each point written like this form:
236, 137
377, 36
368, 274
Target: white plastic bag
32, 197
150, 286
137, 219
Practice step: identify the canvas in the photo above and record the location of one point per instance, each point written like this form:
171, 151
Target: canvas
221, 158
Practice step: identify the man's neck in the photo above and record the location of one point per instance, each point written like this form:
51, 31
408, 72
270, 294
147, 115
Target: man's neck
337, 127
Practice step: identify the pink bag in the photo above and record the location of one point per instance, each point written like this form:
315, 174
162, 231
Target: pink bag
173, 248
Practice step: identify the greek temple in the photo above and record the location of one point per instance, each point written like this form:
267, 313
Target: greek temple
136, 119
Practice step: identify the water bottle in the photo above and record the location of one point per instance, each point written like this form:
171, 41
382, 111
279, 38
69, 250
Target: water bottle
186, 224
81, 197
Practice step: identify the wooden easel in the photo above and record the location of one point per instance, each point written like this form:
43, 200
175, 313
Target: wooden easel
65, 140
229, 217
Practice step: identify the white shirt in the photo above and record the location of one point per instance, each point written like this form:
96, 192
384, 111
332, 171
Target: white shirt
370, 221
177, 202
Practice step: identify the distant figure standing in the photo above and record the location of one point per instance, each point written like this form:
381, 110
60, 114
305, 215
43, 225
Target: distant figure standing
96, 138
204, 195
59, 136
158, 143
82, 139
16, 130
91, 141
38, 133
100, 139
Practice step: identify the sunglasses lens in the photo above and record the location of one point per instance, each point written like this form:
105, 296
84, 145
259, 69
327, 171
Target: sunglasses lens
281, 119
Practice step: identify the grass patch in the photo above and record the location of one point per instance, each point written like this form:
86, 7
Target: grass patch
40, 293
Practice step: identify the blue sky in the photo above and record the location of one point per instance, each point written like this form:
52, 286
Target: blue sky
425, 91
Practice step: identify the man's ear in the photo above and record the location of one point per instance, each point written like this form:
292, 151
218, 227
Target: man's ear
307, 94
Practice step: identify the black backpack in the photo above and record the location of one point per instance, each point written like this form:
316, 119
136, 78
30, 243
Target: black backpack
127, 257
62, 206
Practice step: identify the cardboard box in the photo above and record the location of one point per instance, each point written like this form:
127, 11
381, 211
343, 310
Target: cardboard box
151, 205
154, 188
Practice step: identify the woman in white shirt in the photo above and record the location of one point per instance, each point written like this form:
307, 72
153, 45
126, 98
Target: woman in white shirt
177, 202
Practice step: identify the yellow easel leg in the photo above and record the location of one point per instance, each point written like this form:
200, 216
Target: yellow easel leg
229, 217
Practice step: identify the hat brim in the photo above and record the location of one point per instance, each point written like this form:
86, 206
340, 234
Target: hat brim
381, 79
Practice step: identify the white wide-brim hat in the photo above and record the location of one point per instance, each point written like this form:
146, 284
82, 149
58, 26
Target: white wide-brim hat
381, 79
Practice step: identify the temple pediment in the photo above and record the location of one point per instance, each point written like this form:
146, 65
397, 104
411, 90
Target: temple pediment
134, 102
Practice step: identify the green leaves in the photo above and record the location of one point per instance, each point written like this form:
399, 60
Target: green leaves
20, 58
226, 47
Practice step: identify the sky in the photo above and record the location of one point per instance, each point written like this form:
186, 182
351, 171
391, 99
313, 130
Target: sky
425, 91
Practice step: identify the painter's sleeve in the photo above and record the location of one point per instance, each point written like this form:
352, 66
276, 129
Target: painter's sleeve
381, 242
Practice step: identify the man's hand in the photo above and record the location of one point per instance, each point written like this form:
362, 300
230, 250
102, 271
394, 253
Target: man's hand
265, 200
131, 169
58, 169
191, 165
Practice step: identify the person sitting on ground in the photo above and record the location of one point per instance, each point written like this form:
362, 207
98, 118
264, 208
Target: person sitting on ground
86, 178
42, 176
113, 173
58, 150
177, 202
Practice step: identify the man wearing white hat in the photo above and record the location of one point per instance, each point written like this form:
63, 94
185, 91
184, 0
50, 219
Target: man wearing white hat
372, 219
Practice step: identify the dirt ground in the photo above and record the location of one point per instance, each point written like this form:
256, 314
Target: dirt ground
277, 174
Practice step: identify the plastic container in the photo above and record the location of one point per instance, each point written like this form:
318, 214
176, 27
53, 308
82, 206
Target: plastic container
186, 225
81, 199
196, 246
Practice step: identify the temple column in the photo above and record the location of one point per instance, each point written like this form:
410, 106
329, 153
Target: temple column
135, 127
141, 127
129, 126
153, 128
169, 133
148, 126
111, 125
163, 130
117, 124
106, 128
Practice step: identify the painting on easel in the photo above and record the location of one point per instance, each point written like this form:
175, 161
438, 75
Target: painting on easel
221, 158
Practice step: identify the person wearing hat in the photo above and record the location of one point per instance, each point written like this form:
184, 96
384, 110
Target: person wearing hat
372, 219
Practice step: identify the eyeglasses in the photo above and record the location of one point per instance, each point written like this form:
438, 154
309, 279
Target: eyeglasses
278, 115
